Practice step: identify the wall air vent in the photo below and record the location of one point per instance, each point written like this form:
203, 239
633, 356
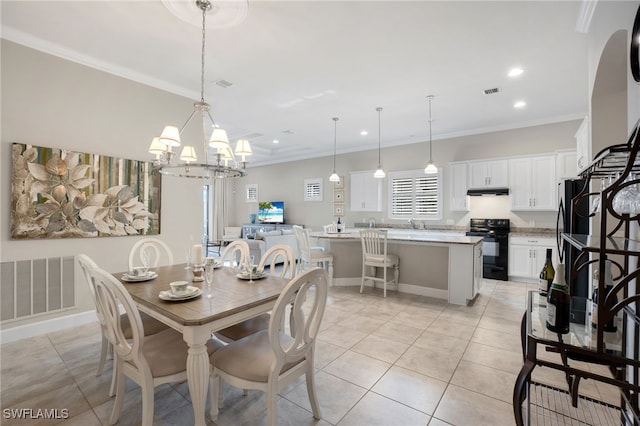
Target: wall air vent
224, 83
492, 91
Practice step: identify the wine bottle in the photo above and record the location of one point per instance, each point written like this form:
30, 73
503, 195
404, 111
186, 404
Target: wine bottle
339, 227
559, 304
546, 275
594, 307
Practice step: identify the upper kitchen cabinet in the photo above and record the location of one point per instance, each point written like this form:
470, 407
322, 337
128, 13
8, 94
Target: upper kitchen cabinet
488, 174
583, 145
532, 181
459, 200
566, 164
366, 192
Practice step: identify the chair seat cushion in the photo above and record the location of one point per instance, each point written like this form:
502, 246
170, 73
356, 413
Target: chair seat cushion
381, 260
245, 328
149, 324
249, 358
166, 352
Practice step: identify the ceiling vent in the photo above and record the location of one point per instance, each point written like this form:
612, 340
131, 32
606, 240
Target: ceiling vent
492, 91
288, 132
224, 83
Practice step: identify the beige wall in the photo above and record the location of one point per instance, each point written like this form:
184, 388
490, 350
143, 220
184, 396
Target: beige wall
285, 181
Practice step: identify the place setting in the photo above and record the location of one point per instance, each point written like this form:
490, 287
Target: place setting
140, 273
179, 291
251, 272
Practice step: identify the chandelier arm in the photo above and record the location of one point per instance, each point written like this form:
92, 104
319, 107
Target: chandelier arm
186, 123
212, 120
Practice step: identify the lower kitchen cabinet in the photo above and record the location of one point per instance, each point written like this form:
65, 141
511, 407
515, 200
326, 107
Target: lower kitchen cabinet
527, 256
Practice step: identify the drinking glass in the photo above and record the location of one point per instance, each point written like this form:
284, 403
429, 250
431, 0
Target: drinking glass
187, 255
251, 260
208, 274
145, 257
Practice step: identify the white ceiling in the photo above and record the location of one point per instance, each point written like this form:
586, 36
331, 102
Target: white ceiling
296, 64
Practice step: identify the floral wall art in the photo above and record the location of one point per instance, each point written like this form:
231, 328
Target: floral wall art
57, 193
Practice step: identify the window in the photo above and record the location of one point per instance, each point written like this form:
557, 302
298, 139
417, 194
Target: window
251, 193
313, 189
415, 195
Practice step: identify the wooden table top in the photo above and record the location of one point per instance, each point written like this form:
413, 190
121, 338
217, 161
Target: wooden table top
230, 294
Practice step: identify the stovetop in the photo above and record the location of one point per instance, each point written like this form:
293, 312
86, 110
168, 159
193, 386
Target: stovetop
490, 226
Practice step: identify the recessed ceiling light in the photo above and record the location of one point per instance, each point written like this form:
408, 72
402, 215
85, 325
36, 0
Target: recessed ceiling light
364, 133
514, 72
276, 141
520, 104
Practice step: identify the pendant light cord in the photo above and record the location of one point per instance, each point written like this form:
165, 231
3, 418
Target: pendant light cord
379, 109
430, 97
335, 138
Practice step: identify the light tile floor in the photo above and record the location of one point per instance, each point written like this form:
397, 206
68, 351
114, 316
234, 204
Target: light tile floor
403, 360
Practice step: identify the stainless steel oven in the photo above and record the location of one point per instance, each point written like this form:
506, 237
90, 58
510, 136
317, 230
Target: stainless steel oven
495, 246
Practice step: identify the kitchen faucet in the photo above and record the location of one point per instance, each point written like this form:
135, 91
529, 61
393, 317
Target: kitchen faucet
372, 223
413, 223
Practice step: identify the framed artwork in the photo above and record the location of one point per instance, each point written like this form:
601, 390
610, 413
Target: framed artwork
338, 209
340, 184
58, 193
338, 195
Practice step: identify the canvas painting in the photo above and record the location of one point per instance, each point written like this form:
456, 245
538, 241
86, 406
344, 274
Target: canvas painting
57, 193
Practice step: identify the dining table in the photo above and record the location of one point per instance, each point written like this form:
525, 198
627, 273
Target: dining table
233, 300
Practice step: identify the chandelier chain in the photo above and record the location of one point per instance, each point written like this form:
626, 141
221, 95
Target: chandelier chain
204, 14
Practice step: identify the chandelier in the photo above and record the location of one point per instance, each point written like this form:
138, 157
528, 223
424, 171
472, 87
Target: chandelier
194, 162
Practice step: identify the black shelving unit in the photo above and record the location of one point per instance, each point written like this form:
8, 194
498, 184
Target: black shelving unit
610, 239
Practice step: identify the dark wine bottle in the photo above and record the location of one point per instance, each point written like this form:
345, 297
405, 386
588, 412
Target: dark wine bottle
546, 275
559, 304
339, 225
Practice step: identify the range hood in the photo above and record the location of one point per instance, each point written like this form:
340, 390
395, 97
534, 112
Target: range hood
488, 191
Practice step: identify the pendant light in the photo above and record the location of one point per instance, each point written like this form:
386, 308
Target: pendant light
334, 176
379, 174
431, 168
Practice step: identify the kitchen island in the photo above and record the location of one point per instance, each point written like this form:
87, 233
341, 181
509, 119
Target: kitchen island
441, 264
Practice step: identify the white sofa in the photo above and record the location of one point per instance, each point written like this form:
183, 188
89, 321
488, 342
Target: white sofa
264, 240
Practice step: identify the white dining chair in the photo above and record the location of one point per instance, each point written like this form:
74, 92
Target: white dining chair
147, 360
150, 325
374, 256
331, 228
269, 360
309, 257
237, 254
278, 253
159, 253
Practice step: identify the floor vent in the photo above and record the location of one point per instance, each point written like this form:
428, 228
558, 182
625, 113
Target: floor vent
34, 287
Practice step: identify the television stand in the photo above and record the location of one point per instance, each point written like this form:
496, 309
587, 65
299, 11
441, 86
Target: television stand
249, 229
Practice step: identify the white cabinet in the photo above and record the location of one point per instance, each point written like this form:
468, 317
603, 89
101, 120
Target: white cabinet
459, 200
527, 256
366, 192
465, 272
583, 145
532, 183
566, 165
488, 174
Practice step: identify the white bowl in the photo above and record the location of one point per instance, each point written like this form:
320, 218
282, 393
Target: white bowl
179, 288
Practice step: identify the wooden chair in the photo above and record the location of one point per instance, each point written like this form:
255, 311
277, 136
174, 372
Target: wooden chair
150, 325
147, 360
310, 257
374, 255
274, 254
331, 228
159, 253
238, 252
269, 360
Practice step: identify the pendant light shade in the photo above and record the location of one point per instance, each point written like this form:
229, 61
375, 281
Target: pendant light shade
379, 174
431, 168
334, 176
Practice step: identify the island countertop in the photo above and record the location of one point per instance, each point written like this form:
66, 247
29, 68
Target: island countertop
407, 235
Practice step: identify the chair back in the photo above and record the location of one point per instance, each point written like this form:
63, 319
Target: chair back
88, 265
279, 253
157, 249
332, 227
306, 295
374, 244
304, 242
237, 251
112, 297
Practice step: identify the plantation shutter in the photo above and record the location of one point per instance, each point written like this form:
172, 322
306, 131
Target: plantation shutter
414, 195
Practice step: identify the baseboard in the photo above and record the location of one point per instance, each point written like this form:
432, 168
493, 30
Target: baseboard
403, 288
48, 326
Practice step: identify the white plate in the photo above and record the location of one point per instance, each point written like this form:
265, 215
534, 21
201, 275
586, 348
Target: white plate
193, 292
148, 276
256, 276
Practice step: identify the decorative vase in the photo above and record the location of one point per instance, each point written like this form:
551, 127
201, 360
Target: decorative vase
252, 218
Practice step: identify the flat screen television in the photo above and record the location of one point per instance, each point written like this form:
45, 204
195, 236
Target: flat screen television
271, 212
